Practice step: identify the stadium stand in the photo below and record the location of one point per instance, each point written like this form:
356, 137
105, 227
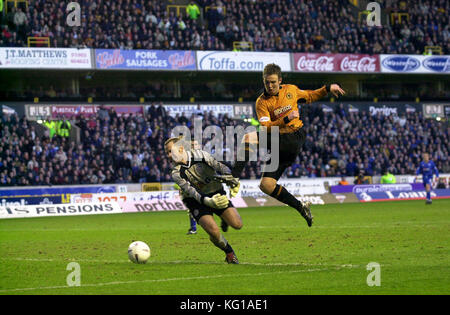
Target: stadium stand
127, 149
324, 26
116, 149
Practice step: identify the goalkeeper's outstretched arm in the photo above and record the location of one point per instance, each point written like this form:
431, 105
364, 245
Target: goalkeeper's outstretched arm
219, 167
225, 176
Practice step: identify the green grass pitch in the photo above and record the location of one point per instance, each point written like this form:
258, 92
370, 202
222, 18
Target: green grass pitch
279, 254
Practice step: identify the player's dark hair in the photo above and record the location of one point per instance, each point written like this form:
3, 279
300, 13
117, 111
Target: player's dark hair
272, 69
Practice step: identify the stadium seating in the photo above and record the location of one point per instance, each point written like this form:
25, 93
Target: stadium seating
128, 149
288, 25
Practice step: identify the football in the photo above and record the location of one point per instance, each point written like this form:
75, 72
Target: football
139, 252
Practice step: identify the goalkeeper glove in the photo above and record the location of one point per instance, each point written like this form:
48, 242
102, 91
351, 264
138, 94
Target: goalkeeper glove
217, 201
234, 190
231, 182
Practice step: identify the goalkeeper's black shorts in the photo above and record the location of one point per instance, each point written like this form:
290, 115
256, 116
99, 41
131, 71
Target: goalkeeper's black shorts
290, 145
198, 210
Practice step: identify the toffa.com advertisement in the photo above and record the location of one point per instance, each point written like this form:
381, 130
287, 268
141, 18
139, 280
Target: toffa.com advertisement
240, 61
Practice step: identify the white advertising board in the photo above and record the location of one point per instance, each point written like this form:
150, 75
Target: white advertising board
34, 211
45, 58
241, 61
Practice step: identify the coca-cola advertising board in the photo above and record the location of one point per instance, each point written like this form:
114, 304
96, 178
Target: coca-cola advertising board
353, 63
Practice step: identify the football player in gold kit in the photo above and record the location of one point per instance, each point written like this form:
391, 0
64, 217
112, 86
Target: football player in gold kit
278, 107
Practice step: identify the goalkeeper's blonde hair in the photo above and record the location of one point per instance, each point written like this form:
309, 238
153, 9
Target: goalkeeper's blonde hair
173, 139
181, 140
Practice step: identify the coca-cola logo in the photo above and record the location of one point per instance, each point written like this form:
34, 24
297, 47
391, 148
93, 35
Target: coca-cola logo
337, 62
317, 64
364, 64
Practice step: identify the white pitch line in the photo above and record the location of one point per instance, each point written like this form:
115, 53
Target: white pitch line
290, 227
183, 262
164, 280
372, 226
64, 260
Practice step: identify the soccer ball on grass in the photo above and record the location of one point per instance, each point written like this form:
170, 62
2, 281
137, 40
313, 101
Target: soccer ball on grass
138, 252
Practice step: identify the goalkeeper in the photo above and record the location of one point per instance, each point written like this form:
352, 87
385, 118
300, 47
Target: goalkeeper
200, 178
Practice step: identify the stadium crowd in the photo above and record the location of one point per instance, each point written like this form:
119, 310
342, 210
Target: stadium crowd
129, 149
275, 25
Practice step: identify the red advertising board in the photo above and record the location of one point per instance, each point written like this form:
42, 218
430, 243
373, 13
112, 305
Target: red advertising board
87, 111
355, 63
69, 111
126, 110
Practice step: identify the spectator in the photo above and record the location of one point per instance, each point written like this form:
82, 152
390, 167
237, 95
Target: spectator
60, 156
123, 146
51, 92
180, 24
220, 30
6, 34
1, 12
320, 28
361, 180
192, 10
63, 128
343, 182
52, 128
387, 178
103, 113
20, 20
441, 184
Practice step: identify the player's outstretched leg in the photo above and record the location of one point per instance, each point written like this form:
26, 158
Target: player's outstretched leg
270, 187
305, 211
209, 225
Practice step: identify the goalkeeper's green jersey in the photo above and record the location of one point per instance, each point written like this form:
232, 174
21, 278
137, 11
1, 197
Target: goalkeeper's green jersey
196, 178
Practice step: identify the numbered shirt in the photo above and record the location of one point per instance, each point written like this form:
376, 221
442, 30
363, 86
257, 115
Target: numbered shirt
271, 110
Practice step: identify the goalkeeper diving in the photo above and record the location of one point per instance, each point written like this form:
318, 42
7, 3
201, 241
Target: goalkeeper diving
200, 176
